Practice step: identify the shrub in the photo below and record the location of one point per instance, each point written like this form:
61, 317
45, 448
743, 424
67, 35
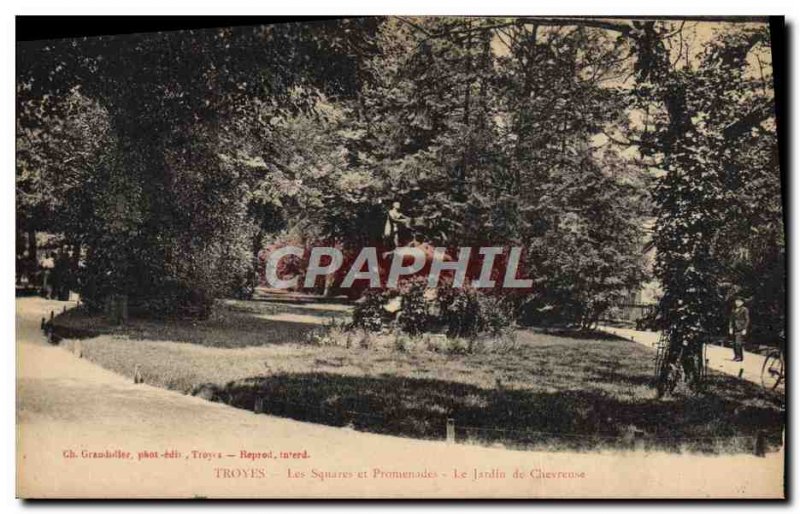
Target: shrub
467, 313
415, 315
370, 311
460, 311
408, 308
496, 318
415, 308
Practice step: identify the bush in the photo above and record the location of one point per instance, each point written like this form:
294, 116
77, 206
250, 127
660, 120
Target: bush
460, 311
415, 308
415, 315
370, 311
408, 308
496, 317
467, 313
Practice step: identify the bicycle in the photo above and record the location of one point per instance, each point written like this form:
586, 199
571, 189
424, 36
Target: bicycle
773, 369
684, 366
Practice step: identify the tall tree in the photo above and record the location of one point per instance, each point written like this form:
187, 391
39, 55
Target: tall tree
719, 230
172, 100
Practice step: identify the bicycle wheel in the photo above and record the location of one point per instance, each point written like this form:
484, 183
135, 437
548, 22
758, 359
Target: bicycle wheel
772, 370
661, 355
659, 362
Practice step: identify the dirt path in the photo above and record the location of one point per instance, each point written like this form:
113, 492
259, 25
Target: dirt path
71, 412
719, 358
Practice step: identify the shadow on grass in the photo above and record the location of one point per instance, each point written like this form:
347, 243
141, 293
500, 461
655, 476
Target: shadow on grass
569, 420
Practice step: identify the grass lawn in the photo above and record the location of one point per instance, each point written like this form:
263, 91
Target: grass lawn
544, 391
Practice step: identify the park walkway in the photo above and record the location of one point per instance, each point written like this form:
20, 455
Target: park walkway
719, 358
65, 404
302, 308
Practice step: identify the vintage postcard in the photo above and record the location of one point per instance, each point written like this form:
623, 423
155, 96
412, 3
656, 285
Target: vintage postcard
401, 257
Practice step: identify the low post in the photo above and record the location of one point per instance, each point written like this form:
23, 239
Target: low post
137, 375
77, 348
741, 371
760, 444
451, 431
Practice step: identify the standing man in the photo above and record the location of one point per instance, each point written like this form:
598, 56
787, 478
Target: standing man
738, 327
48, 280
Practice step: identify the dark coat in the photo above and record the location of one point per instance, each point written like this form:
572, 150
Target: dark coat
740, 320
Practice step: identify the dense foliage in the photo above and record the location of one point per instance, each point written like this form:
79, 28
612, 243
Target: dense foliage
719, 230
169, 160
415, 308
163, 212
